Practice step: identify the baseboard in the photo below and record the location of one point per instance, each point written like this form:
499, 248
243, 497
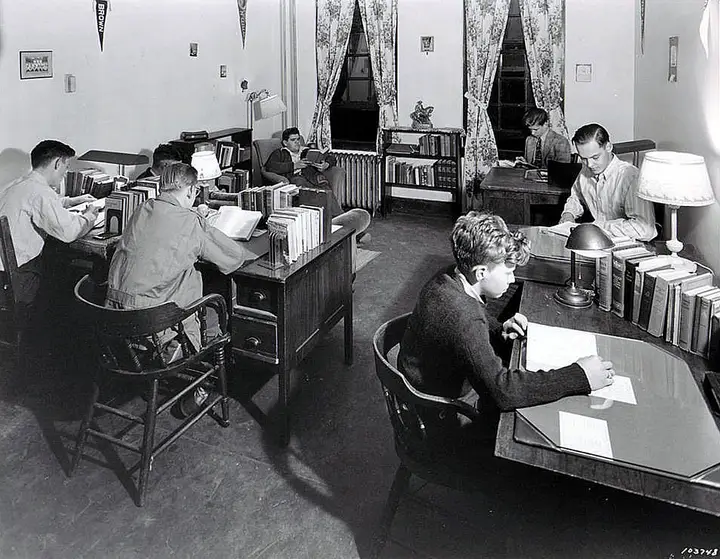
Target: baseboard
410, 205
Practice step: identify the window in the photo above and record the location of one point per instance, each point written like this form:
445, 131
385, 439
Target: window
512, 92
354, 108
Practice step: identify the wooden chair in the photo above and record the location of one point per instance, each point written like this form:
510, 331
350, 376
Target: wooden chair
130, 348
11, 323
436, 457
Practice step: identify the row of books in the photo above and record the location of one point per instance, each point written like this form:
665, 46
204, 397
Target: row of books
437, 174
230, 153
294, 231
89, 181
658, 296
234, 180
444, 145
268, 198
121, 204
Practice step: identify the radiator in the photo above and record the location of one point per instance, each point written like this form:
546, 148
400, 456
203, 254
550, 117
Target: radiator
362, 187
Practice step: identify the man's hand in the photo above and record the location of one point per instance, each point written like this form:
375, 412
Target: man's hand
520, 159
321, 166
77, 200
301, 164
567, 216
91, 213
598, 372
515, 327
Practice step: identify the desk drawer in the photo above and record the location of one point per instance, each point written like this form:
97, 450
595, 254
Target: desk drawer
255, 338
256, 295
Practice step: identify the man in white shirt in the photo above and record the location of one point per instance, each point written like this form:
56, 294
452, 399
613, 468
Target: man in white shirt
607, 188
34, 210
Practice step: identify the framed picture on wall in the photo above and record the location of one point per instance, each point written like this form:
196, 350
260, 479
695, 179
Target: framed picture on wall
35, 64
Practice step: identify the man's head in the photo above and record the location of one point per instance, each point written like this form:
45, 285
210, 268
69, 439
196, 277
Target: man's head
51, 158
592, 143
164, 155
180, 180
536, 120
486, 252
291, 139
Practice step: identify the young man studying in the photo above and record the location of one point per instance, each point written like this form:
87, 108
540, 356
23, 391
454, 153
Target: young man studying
155, 259
543, 144
35, 210
607, 188
453, 348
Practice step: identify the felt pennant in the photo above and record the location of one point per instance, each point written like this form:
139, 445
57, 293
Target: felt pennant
242, 15
101, 12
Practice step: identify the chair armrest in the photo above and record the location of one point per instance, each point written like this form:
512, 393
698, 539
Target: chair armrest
272, 178
216, 302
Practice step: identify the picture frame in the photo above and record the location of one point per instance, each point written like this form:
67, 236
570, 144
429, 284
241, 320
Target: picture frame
36, 64
427, 43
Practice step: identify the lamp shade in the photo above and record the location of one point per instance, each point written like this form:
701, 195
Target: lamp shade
675, 179
269, 106
587, 238
205, 163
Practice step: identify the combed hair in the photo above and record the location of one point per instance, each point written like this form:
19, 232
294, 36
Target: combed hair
534, 117
177, 176
289, 132
590, 132
484, 239
166, 152
47, 150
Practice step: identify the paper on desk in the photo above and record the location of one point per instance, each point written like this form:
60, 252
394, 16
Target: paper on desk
336, 228
549, 347
562, 229
621, 391
585, 434
99, 203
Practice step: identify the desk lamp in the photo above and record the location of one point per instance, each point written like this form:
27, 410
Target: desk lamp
675, 179
588, 240
207, 167
265, 105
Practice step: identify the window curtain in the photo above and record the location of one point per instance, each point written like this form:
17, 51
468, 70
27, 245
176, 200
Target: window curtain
333, 24
379, 19
485, 22
544, 32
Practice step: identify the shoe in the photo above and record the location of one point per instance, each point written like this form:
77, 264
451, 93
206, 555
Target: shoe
192, 402
364, 238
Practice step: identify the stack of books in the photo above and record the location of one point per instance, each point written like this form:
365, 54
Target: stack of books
294, 231
230, 153
234, 181
119, 207
88, 181
267, 199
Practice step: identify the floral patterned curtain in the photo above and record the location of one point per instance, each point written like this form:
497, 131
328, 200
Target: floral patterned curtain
485, 22
379, 19
334, 21
544, 32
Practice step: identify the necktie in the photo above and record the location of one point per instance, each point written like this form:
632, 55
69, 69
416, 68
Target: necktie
537, 158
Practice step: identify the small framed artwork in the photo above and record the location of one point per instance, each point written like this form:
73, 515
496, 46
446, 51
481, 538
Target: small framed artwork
583, 72
35, 64
427, 43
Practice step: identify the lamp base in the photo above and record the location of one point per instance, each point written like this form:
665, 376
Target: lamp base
573, 297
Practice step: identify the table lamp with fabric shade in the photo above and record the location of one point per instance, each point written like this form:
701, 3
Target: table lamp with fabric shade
206, 164
675, 179
586, 239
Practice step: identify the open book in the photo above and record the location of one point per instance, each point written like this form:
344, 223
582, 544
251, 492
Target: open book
235, 222
99, 203
315, 155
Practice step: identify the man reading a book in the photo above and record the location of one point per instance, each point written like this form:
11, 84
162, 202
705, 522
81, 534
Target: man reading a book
607, 188
543, 143
290, 162
155, 259
35, 210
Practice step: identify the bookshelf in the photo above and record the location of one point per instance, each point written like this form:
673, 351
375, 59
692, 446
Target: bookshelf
422, 165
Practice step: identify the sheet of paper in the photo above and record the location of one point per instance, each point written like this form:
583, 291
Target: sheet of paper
99, 203
336, 228
585, 434
549, 347
562, 229
621, 391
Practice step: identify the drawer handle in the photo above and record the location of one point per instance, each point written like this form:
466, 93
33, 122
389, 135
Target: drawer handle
257, 297
252, 342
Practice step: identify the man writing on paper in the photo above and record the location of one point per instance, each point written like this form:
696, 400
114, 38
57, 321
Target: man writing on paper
543, 143
155, 259
289, 162
453, 348
607, 188
35, 210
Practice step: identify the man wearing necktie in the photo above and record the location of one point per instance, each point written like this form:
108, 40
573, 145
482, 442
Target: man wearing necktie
607, 188
543, 143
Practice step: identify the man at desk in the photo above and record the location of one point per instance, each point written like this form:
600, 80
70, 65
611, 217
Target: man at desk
543, 144
163, 155
607, 188
34, 210
155, 259
453, 348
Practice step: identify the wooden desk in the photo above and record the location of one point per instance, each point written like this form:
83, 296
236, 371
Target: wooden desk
515, 441
506, 192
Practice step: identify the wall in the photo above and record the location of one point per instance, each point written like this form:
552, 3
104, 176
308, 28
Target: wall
144, 88
684, 116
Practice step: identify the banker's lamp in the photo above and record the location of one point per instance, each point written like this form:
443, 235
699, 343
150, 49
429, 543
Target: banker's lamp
263, 105
206, 165
675, 179
586, 239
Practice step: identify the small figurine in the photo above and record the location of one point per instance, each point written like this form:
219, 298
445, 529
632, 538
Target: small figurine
421, 116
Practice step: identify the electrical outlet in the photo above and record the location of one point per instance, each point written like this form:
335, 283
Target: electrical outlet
223, 71
70, 83
193, 49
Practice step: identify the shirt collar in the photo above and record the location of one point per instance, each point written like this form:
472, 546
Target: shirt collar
467, 287
610, 169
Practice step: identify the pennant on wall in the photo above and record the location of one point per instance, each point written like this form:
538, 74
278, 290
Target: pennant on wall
101, 10
242, 14
642, 26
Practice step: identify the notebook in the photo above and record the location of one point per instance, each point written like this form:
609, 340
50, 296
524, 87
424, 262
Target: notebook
562, 175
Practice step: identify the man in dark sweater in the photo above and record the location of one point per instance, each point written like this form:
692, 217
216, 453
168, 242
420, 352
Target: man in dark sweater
451, 346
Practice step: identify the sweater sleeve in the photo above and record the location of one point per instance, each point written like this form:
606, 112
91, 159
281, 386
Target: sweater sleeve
279, 163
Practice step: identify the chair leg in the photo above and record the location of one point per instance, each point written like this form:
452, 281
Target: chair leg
222, 381
83, 432
398, 488
148, 442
